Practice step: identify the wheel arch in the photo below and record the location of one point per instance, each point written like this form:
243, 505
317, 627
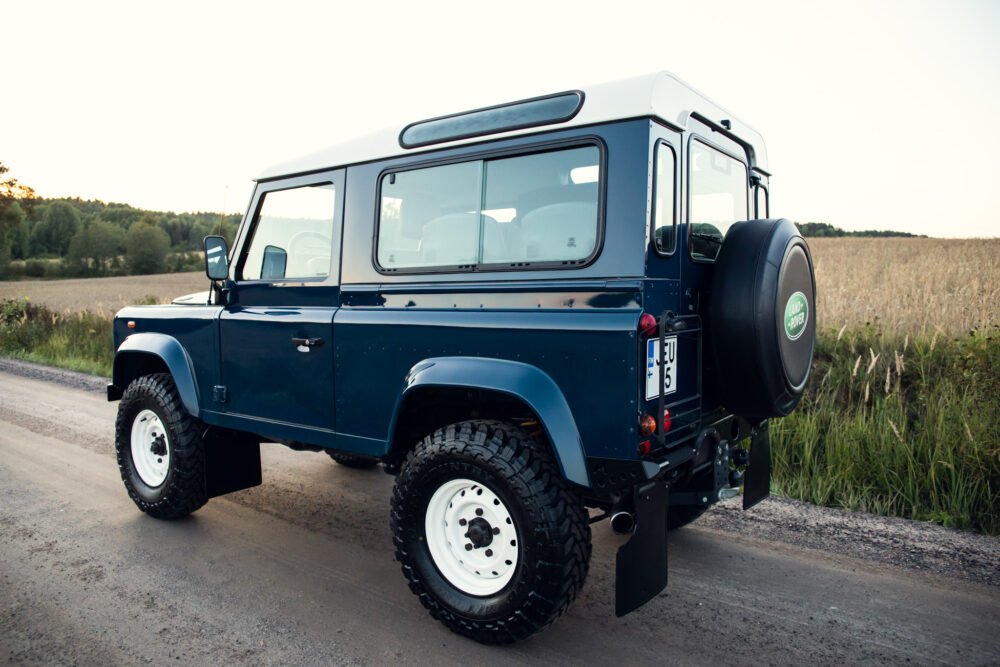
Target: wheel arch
444, 390
146, 353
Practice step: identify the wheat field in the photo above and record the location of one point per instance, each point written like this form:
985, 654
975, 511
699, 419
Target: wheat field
908, 286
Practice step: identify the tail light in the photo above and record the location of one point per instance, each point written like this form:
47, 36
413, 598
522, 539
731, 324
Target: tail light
668, 420
647, 324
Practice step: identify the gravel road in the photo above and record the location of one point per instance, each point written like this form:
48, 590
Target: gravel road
300, 571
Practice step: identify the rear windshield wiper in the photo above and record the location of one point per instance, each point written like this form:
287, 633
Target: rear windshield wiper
711, 238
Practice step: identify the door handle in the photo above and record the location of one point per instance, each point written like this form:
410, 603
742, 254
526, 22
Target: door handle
305, 344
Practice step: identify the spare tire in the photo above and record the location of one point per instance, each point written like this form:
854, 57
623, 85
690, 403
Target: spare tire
762, 318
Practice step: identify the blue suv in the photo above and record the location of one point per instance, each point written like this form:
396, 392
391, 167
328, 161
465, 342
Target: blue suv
536, 315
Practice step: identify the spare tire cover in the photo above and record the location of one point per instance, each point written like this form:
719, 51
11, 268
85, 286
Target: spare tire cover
762, 318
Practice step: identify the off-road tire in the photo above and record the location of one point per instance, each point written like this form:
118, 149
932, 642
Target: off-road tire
183, 490
549, 518
352, 461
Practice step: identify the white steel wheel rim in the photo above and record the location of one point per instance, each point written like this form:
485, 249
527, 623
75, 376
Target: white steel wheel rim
460, 513
150, 448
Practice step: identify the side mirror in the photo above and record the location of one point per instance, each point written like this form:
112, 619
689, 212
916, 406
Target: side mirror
273, 265
216, 258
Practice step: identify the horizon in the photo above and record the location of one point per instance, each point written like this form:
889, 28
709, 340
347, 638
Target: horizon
166, 110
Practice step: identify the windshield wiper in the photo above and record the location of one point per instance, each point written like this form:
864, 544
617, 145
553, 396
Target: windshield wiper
712, 238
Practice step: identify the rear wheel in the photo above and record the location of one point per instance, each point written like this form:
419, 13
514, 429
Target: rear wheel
160, 450
490, 536
351, 460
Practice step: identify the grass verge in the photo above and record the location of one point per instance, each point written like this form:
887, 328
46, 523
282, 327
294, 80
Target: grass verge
79, 341
898, 426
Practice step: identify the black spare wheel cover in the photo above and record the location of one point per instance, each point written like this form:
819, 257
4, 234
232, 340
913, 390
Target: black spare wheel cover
762, 318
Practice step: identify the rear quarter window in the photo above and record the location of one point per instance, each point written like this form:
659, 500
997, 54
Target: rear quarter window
521, 211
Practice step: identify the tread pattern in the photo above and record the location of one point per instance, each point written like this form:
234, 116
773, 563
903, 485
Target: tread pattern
184, 489
556, 528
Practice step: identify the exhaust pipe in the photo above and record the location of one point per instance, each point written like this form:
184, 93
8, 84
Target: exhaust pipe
622, 522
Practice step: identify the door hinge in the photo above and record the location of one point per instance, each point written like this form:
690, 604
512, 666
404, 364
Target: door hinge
220, 394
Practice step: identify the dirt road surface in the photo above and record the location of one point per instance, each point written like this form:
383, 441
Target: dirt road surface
300, 571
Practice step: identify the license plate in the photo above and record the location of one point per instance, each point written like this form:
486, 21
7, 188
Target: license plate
669, 367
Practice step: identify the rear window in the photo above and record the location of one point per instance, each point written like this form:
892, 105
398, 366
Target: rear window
719, 198
521, 211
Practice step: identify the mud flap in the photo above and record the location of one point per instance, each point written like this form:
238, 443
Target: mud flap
641, 565
757, 482
232, 462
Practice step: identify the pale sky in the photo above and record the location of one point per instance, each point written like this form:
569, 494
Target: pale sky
875, 114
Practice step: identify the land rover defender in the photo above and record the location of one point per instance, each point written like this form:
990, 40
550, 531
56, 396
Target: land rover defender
537, 316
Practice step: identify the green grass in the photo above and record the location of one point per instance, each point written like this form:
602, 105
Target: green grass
898, 426
78, 341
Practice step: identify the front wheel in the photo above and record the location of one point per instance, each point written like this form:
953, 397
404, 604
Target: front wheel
160, 451
490, 536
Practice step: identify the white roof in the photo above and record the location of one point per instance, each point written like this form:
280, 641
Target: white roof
661, 95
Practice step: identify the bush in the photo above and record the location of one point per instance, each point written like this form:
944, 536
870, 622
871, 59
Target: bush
146, 249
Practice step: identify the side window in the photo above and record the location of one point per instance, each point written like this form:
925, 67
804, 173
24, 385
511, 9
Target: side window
293, 235
664, 224
537, 208
719, 197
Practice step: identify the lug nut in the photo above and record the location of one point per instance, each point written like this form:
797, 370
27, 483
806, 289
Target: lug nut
479, 512
468, 547
462, 522
496, 531
489, 552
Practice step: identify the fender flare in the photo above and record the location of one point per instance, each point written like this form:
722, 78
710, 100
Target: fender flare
527, 383
170, 352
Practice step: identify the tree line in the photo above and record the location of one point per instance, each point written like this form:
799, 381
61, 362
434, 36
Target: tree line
72, 237
825, 229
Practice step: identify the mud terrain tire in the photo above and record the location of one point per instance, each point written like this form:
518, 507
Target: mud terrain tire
525, 496
164, 469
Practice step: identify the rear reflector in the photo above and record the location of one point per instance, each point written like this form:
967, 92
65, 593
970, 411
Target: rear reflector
647, 425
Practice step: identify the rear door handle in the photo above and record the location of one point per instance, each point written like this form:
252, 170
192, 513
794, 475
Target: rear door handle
306, 344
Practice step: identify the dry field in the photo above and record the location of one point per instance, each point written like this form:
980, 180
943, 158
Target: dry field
104, 294
909, 286
901, 285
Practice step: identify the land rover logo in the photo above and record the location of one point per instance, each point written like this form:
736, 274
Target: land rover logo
796, 315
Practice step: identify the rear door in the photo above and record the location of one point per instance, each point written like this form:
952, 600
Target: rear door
277, 332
